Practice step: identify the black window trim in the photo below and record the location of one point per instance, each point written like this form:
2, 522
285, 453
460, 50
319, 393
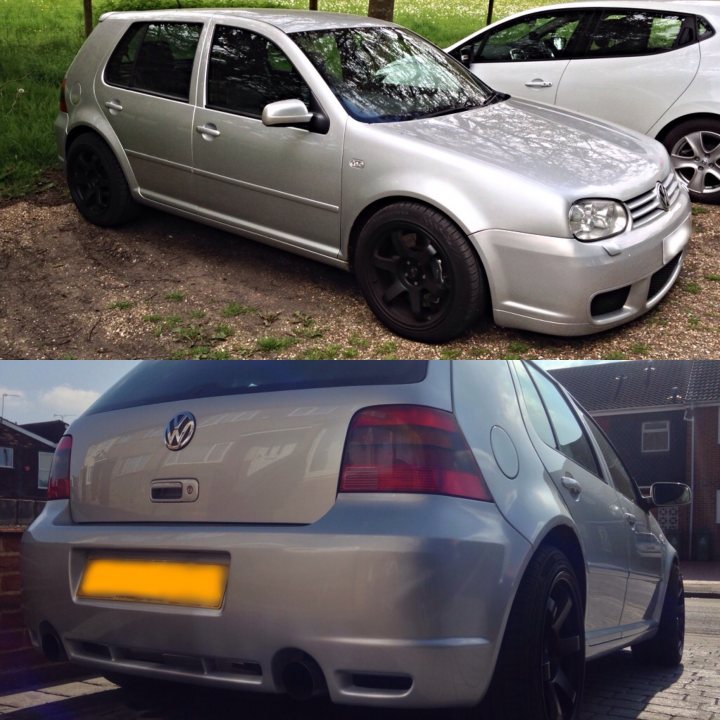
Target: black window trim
709, 25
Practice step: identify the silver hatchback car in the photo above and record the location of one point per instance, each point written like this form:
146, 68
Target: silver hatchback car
359, 144
406, 534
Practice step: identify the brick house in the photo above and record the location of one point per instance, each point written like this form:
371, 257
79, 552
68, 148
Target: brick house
663, 416
25, 458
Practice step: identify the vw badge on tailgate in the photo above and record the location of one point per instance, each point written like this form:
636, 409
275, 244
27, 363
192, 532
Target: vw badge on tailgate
179, 431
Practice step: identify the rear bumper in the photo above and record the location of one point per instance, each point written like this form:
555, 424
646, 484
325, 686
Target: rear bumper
414, 588
561, 286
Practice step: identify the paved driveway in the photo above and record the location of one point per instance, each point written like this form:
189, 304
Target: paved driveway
617, 689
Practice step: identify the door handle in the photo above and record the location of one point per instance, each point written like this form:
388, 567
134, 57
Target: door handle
631, 519
571, 484
208, 129
538, 83
114, 105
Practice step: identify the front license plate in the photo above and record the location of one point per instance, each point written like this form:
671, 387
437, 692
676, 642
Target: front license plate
154, 581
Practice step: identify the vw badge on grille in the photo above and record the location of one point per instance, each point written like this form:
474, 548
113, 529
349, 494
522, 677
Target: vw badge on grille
179, 431
662, 196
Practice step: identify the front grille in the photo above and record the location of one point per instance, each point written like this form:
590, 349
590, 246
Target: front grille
609, 302
660, 278
646, 207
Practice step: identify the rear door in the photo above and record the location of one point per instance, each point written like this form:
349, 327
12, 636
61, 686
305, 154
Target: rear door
635, 66
567, 453
145, 93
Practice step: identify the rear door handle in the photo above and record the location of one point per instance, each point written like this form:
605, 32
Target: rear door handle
538, 83
571, 484
208, 129
115, 105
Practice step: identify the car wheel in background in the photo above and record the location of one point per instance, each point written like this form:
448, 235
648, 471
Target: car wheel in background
666, 647
540, 671
694, 148
97, 183
418, 273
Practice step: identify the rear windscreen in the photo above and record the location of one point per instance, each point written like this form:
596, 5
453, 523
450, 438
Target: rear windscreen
160, 381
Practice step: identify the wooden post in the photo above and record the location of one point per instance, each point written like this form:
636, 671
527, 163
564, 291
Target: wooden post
87, 12
313, 5
489, 12
381, 9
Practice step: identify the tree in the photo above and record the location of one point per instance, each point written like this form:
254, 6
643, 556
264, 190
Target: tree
382, 9
87, 13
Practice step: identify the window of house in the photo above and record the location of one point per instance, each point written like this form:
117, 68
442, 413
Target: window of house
44, 462
6, 457
656, 436
156, 58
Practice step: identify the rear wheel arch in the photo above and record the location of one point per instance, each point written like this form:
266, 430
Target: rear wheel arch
667, 129
565, 540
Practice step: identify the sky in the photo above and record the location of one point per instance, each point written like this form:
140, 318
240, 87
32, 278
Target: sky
42, 390
48, 388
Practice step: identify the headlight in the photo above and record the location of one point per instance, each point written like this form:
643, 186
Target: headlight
597, 219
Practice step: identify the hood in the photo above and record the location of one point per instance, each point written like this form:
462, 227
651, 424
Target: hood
575, 155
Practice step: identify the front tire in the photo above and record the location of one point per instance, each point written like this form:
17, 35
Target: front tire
540, 671
97, 183
418, 273
666, 647
694, 148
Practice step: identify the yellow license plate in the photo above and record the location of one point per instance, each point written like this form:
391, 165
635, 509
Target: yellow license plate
154, 581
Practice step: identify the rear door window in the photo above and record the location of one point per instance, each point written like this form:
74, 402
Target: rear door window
156, 58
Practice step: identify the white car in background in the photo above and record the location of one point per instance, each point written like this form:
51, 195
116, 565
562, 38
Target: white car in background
651, 66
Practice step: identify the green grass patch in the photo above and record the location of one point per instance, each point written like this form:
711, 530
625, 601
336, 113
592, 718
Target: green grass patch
175, 296
692, 287
699, 210
120, 305
712, 277
639, 348
331, 351
615, 355
271, 343
234, 309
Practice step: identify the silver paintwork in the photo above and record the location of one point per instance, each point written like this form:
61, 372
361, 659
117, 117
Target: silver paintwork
418, 585
507, 174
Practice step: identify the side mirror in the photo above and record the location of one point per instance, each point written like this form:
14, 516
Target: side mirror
286, 112
664, 494
465, 55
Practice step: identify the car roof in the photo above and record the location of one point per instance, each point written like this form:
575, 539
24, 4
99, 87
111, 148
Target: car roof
286, 20
700, 7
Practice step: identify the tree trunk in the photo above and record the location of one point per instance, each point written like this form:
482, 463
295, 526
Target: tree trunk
382, 9
313, 5
488, 19
87, 13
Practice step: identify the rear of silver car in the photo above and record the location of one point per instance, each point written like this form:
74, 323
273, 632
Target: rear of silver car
380, 597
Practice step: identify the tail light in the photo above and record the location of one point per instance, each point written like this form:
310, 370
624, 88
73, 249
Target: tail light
59, 481
409, 449
63, 102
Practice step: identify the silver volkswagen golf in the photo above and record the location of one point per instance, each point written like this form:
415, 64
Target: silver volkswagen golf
359, 144
404, 534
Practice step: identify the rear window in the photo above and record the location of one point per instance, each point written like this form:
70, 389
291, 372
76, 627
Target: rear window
160, 381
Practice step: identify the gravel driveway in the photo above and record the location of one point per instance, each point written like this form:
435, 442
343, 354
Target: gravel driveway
166, 287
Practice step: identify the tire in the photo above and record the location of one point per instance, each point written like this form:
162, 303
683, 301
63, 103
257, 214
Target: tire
418, 273
694, 148
97, 183
666, 647
540, 672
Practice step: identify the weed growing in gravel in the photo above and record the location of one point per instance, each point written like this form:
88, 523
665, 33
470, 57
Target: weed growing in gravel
152, 318
693, 321
358, 342
387, 349
639, 348
120, 305
270, 343
234, 309
450, 354
712, 277
518, 347
222, 332
692, 287
614, 355
699, 210
175, 296
332, 351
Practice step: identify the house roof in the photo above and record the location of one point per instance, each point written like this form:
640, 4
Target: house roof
642, 384
11, 430
51, 430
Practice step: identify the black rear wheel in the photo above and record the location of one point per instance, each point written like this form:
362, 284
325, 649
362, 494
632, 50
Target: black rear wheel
540, 671
97, 183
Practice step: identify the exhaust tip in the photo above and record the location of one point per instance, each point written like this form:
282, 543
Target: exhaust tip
50, 643
299, 675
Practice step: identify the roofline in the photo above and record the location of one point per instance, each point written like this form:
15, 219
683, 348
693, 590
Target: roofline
691, 405
23, 431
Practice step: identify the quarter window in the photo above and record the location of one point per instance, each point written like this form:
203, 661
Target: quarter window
6, 457
656, 436
247, 71
636, 32
156, 58
704, 29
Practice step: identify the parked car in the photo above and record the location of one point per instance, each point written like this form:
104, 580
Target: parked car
402, 534
647, 64
359, 144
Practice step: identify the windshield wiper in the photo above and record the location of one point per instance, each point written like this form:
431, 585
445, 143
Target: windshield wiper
494, 97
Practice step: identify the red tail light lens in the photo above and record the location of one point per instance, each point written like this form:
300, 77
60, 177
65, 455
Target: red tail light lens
409, 449
59, 481
63, 102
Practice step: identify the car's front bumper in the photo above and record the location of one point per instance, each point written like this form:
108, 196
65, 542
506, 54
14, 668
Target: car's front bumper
414, 587
548, 284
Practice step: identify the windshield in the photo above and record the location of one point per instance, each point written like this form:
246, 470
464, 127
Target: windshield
386, 74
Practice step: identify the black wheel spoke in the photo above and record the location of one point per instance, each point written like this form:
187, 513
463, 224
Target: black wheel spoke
385, 263
415, 296
394, 291
554, 707
562, 616
562, 681
568, 645
398, 244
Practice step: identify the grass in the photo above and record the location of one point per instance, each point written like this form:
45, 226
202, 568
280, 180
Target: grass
39, 38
